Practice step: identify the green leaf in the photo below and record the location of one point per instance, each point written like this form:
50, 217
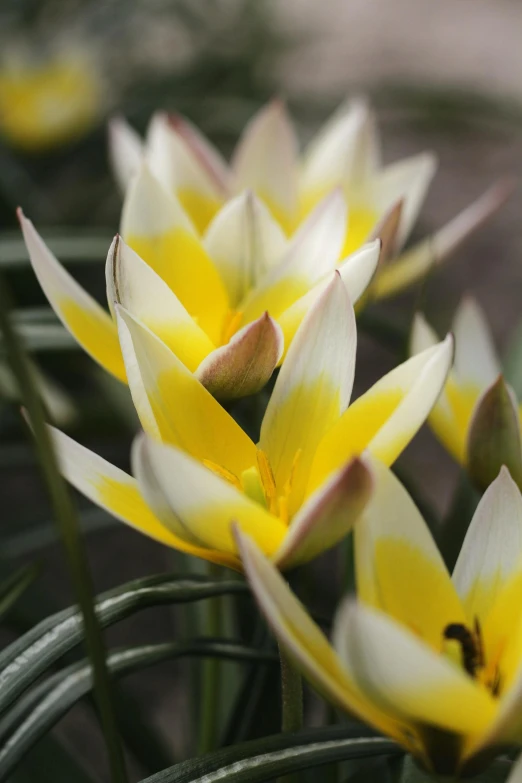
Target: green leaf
67, 247
38, 711
28, 657
67, 523
15, 585
270, 757
50, 762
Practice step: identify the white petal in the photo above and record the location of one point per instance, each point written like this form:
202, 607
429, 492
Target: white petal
344, 152
126, 151
476, 360
244, 241
265, 159
408, 180
492, 547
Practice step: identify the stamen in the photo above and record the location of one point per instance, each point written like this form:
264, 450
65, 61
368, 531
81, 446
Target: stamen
290, 480
219, 470
267, 479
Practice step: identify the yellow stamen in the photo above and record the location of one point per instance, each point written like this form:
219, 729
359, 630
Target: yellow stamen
283, 509
219, 470
267, 480
231, 324
290, 480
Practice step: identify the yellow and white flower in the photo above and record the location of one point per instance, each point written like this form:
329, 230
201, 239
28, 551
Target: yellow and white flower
301, 488
382, 200
227, 304
431, 660
476, 368
46, 102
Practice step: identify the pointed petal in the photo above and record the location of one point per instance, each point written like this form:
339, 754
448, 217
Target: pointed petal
494, 436
344, 152
158, 230
407, 180
85, 319
186, 168
398, 566
327, 516
356, 272
415, 263
174, 406
476, 360
386, 418
135, 285
126, 151
406, 679
312, 390
387, 229
492, 548
451, 414
302, 638
244, 242
265, 160
312, 253
245, 364
205, 504
207, 155
115, 491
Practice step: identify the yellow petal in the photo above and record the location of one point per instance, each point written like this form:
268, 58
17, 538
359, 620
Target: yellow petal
405, 678
115, 491
87, 321
312, 390
174, 406
135, 285
158, 230
399, 568
303, 640
386, 418
265, 160
205, 504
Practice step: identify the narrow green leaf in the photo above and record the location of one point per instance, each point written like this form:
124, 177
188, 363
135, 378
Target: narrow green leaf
70, 534
42, 707
260, 760
15, 585
28, 657
68, 247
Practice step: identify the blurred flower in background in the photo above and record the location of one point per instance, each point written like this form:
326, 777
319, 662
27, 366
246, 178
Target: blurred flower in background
47, 99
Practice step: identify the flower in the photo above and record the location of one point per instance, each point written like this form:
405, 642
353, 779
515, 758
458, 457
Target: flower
476, 368
300, 489
47, 102
434, 662
228, 305
382, 200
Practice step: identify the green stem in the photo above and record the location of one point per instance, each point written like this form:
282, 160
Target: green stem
208, 732
291, 703
70, 534
291, 695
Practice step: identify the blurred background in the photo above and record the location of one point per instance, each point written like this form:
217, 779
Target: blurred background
443, 76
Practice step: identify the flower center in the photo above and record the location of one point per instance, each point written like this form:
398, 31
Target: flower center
465, 646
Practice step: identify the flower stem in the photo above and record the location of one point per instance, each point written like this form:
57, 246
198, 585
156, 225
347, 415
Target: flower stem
291, 703
208, 731
291, 695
